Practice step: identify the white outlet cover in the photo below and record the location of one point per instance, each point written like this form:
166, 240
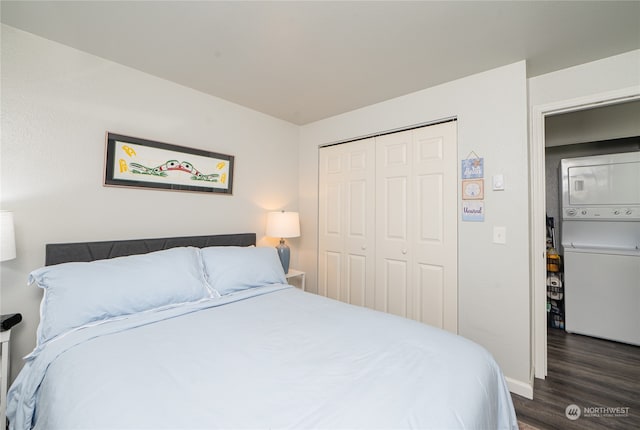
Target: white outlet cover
499, 235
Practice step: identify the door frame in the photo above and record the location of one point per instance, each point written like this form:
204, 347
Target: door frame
537, 204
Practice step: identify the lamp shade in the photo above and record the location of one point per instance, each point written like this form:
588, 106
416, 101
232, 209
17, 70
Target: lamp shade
283, 224
7, 237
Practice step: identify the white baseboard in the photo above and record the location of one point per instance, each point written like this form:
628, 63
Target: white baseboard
520, 388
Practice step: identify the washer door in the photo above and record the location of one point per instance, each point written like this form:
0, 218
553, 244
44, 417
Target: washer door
602, 295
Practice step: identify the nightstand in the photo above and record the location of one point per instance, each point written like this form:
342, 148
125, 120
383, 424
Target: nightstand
6, 322
298, 278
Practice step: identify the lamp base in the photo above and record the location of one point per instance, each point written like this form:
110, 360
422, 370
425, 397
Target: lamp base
285, 255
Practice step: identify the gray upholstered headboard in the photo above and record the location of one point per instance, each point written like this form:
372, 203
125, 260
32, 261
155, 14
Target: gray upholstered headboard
57, 253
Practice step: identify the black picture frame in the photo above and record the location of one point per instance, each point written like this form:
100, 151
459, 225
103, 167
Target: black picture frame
142, 163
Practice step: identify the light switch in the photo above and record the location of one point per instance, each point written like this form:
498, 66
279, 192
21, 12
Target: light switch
499, 235
498, 182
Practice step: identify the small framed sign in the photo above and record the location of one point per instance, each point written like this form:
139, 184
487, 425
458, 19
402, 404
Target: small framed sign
473, 189
473, 168
135, 162
473, 210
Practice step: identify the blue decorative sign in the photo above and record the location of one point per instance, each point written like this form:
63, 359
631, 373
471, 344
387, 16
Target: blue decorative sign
472, 210
473, 168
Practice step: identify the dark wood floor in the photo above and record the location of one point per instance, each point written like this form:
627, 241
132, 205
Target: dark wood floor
590, 373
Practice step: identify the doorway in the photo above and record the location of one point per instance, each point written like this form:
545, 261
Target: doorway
542, 118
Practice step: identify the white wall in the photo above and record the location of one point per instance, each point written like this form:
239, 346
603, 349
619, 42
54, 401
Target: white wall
616, 121
58, 102
585, 80
491, 108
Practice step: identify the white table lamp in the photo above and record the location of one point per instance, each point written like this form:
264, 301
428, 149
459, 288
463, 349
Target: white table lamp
283, 224
7, 236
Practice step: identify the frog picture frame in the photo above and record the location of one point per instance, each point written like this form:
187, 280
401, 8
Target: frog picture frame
142, 163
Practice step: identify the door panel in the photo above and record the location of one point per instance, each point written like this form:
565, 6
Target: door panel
357, 216
333, 210
333, 162
395, 287
417, 224
332, 283
429, 303
395, 152
395, 208
430, 210
429, 148
442, 254
346, 190
357, 274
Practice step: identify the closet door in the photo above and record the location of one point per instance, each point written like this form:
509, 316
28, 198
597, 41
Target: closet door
416, 225
346, 222
394, 188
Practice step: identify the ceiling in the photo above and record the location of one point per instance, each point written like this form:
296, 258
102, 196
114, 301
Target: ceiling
302, 61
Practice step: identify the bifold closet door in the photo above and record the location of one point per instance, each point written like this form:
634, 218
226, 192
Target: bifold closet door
416, 225
346, 222
388, 224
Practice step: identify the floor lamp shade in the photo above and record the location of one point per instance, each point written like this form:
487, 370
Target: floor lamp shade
283, 224
7, 237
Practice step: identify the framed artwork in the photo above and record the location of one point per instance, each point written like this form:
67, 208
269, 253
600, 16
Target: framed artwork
473, 168
134, 162
473, 210
473, 189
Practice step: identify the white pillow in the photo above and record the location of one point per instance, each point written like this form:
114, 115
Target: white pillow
80, 293
233, 268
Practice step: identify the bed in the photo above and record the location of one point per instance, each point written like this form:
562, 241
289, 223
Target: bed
204, 333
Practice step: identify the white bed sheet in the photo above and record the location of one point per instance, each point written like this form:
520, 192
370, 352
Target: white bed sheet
271, 357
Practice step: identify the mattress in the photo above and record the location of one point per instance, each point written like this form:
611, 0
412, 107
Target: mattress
266, 357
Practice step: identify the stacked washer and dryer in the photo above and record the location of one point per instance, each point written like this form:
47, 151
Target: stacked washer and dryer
601, 244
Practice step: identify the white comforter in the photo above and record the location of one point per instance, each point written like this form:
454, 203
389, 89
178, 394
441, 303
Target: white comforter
271, 357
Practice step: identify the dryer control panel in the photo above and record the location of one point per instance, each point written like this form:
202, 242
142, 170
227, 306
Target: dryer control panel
607, 213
